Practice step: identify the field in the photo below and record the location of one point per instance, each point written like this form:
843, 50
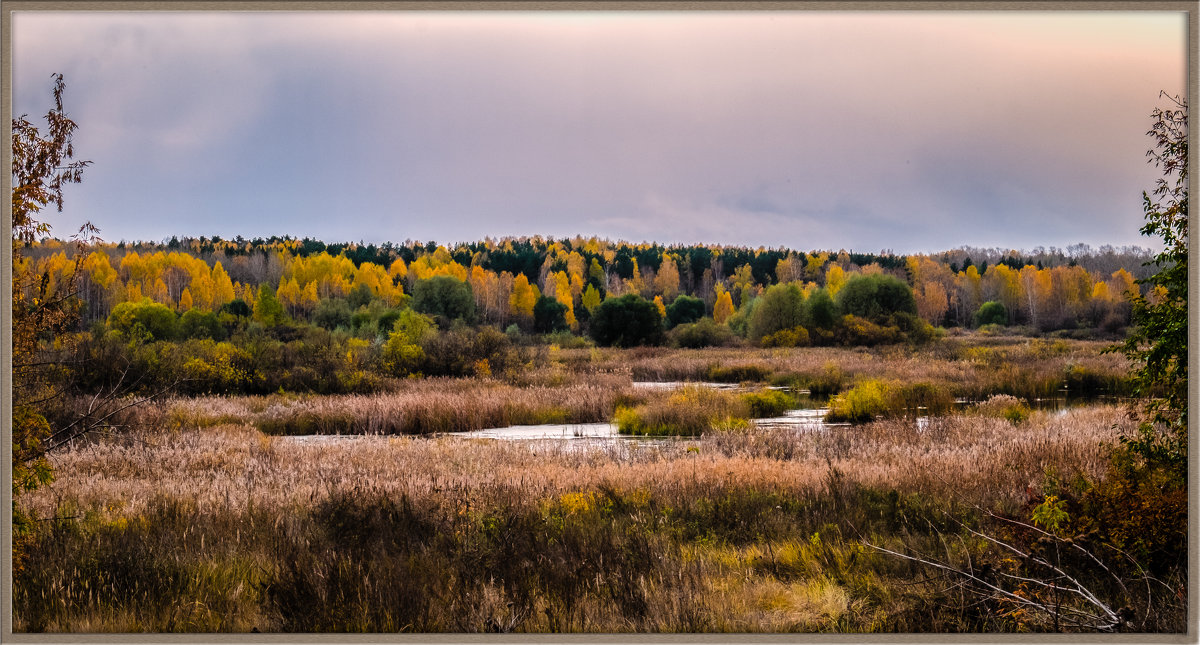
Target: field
234, 514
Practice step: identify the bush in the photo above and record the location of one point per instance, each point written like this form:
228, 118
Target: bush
359, 296
768, 403
863, 402
991, 313
402, 353
822, 311
913, 327
829, 382
627, 321
856, 331
703, 333
457, 352
684, 309
794, 337
332, 313
267, 308
236, 307
691, 411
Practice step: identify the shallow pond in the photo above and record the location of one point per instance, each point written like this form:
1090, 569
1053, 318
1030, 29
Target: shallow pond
809, 416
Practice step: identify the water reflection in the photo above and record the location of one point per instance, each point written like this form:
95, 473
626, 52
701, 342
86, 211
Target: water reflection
809, 416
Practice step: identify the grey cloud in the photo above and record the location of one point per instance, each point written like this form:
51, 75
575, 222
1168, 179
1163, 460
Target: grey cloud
866, 131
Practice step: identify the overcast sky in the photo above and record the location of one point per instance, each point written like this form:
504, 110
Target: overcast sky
908, 131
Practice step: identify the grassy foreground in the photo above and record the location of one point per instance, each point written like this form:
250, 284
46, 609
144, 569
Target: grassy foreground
228, 529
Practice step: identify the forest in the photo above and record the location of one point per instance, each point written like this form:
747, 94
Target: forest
262, 315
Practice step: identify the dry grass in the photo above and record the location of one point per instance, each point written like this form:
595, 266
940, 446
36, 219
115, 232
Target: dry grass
985, 460
415, 407
973, 366
733, 532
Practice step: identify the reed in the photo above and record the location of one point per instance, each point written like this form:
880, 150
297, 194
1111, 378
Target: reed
228, 529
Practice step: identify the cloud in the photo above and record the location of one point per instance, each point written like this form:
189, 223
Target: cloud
854, 130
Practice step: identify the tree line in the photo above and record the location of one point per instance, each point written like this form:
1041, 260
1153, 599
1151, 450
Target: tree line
506, 279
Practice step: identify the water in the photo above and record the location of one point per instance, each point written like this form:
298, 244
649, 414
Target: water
800, 419
558, 431
733, 387
808, 417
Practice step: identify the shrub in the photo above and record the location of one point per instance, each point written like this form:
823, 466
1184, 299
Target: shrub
768, 403
236, 307
200, 324
991, 313
794, 337
855, 331
913, 327
863, 402
828, 382
691, 411
359, 296
402, 353
456, 352
267, 308
702, 333
1082, 380
387, 320
822, 311
332, 313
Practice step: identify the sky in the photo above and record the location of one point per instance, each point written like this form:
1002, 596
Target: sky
907, 132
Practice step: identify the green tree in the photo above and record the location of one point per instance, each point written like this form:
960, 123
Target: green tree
780, 307
684, 309
200, 324
402, 353
359, 296
549, 315
591, 298
267, 308
444, 297
332, 313
875, 297
237, 307
627, 321
144, 320
821, 309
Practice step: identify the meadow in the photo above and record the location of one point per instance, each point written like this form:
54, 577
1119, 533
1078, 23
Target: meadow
232, 513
